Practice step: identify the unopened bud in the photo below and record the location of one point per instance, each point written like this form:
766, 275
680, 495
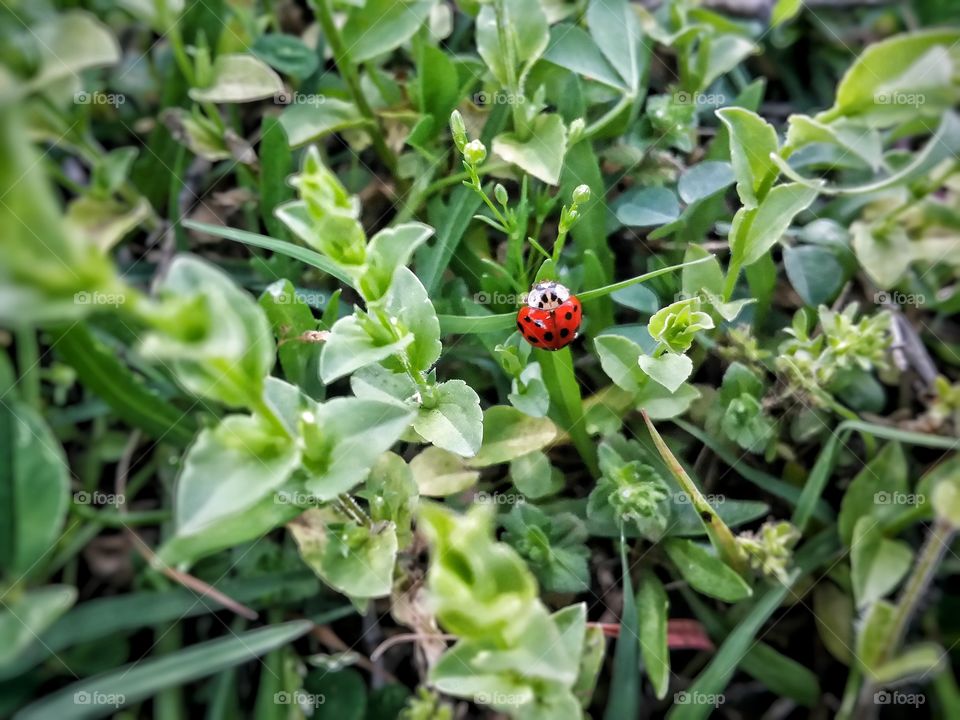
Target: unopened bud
581, 194
576, 131
475, 152
458, 130
500, 193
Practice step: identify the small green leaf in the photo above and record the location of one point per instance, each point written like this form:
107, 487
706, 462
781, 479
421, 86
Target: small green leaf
440, 473
652, 613
355, 560
874, 634
542, 153
616, 29
350, 347
705, 572
287, 53
752, 140
454, 420
524, 27
239, 79
379, 26
508, 434
833, 610
755, 231
309, 122
705, 179
875, 491
885, 258
26, 615
572, 48
407, 301
814, 272
69, 42
877, 564
669, 369
648, 207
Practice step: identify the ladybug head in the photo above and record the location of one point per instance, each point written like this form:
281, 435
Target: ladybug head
547, 295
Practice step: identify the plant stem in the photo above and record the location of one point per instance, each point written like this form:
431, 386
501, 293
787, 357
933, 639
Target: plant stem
348, 71
351, 509
28, 365
564, 390
720, 535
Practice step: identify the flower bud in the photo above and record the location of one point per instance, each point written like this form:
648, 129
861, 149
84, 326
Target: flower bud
500, 193
458, 130
576, 131
475, 152
581, 194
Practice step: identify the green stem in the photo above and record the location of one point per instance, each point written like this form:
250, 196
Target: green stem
561, 382
733, 273
348, 71
720, 535
349, 507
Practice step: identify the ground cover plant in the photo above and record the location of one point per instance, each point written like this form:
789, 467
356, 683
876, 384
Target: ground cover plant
369, 359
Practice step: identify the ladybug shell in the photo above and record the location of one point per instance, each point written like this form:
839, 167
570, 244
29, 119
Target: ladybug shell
551, 329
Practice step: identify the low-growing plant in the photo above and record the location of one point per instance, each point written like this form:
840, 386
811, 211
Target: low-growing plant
504, 357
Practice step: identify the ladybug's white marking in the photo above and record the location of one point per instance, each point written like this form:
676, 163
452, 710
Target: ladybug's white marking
547, 295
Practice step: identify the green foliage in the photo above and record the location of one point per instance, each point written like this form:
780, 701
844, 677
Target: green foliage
261, 420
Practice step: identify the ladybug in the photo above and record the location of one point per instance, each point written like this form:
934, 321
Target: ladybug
551, 317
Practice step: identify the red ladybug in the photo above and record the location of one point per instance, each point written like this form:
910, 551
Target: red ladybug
551, 317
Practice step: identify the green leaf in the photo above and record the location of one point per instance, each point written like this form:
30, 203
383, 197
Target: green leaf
616, 30
454, 420
407, 301
669, 369
309, 122
755, 231
25, 615
276, 165
143, 679
229, 469
648, 207
784, 10
619, 358
885, 258
437, 84
352, 433
814, 272
652, 614
572, 48
877, 564
875, 491
350, 347
69, 42
287, 53
524, 28
890, 66
239, 79
534, 476
529, 393
440, 473
352, 559
752, 140
705, 179
873, 636
290, 317
705, 572
508, 434
833, 610
211, 333
542, 153
35, 487
916, 662
379, 26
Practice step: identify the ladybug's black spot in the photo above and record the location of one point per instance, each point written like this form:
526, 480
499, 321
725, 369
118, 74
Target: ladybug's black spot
528, 319
519, 326
569, 316
548, 336
532, 340
564, 332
